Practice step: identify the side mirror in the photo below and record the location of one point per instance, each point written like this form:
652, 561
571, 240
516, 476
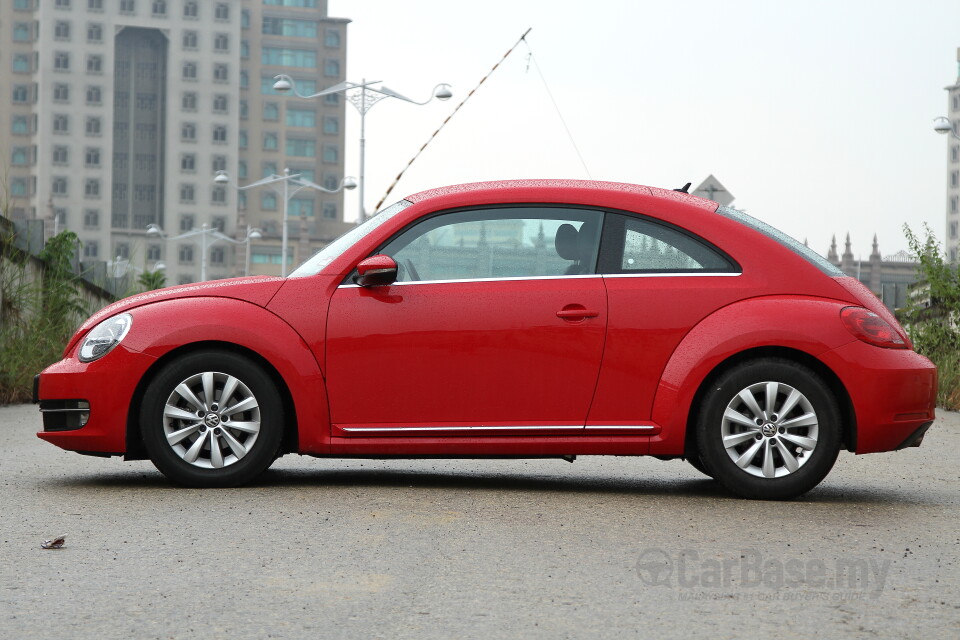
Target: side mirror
376, 271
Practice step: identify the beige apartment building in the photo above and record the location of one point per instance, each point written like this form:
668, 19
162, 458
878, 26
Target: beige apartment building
117, 114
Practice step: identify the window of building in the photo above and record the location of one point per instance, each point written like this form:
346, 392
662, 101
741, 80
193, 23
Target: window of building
331, 99
190, 9
217, 256
218, 195
21, 94
244, 19
19, 125
94, 95
190, 39
95, 5
954, 153
18, 187
222, 11
302, 4
92, 157
954, 204
61, 61
220, 102
286, 57
331, 125
331, 38
19, 156
61, 123
188, 131
219, 163
61, 4
91, 218
61, 155
94, 64
269, 169
268, 201
242, 169
159, 8
94, 32
242, 139
290, 27
123, 251
93, 126
185, 254
244, 49
188, 162
23, 5
271, 111
301, 148
186, 195
61, 93
331, 153
271, 142
91, 188
330, 210
301, 117
187, 222
153, 252
220, 134
331, 68
188, 102
954, 179
60, 215
189, 71
244, 80
59, 186
90, 249
221, 42
244, 110
128, 6
22, 32
220, 73
61, 30
300, 207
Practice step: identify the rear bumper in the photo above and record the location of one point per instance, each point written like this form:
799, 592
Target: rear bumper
893, 391
106, 386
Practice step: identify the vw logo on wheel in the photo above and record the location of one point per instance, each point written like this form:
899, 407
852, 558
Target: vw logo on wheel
212, 420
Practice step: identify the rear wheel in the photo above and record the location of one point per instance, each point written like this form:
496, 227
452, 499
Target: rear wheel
697, 464
769, 429
212, 419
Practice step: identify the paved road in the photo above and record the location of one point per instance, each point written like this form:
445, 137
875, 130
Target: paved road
604, 548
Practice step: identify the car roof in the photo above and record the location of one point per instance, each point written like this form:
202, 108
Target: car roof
558, 190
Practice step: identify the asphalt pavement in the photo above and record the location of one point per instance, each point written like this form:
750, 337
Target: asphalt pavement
601, 548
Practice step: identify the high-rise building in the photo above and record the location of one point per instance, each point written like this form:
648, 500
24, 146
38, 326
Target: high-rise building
119, 113
953, 168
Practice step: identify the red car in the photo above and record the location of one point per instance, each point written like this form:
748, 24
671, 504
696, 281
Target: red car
526, 319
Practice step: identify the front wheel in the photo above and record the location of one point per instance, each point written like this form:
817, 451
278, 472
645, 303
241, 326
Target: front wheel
212, 419
769, 429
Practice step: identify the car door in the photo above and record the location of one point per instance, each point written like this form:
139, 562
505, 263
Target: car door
495, 326
661, 280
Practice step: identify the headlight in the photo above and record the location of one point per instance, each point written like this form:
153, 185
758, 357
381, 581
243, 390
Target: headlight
104, 337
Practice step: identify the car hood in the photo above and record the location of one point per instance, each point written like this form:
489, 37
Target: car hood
255, 289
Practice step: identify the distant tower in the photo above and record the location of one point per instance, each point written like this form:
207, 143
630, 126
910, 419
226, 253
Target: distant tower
875, 260
832, 254
953, 169
846, 260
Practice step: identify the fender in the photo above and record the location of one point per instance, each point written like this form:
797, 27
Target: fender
184, 321
810, 325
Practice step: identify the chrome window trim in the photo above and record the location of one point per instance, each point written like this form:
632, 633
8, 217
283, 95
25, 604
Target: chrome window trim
673, 274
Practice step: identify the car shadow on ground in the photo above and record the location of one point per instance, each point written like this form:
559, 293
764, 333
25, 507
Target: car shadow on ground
328, 482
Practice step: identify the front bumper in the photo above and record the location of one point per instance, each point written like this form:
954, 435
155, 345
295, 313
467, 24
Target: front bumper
104, 389
893, 391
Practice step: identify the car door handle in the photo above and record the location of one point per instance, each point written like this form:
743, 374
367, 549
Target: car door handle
577, 314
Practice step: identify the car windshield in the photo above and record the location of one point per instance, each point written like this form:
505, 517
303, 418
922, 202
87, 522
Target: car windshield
799, 248
335, 249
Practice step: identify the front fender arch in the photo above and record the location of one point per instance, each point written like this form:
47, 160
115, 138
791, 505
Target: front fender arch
178, 326
808, 328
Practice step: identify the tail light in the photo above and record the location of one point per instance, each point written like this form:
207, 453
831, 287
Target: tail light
867, 326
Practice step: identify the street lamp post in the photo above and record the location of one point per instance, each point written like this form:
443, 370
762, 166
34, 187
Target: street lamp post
154, 231
282, 185
362, 96
943, 125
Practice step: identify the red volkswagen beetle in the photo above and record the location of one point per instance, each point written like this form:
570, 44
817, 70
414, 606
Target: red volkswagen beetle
520, 319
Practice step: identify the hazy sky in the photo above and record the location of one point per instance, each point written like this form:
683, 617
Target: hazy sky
816, 115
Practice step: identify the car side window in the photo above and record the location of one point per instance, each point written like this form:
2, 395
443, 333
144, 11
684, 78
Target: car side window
507, 242
639, 245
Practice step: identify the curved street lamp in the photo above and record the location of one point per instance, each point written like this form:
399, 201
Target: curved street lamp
943, 125
362, 96
292, 183
154, 231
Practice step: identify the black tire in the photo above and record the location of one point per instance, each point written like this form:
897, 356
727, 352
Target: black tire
761, 444
697, 464
247, 433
